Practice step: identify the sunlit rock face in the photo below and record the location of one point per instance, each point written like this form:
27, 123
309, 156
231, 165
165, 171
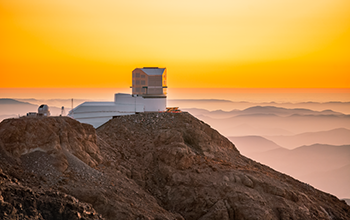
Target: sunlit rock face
52, 135
147, 166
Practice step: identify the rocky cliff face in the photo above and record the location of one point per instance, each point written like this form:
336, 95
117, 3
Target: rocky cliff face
61, 155
52, 135
145, 166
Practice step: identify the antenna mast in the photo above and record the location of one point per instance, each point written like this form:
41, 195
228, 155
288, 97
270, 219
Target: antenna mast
72, 109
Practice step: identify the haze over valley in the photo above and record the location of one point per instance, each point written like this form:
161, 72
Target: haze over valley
312, 146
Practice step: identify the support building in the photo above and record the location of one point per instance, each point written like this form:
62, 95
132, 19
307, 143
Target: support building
149, 94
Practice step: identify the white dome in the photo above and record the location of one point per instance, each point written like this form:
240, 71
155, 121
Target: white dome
44, 110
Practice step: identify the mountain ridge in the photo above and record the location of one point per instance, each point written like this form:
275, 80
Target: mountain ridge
8, 101
16, 107
337, 136
311, 160
247, 144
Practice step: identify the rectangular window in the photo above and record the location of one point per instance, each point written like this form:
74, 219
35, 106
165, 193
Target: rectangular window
137, 82
143, 82
137, 89
137, 74
143, 76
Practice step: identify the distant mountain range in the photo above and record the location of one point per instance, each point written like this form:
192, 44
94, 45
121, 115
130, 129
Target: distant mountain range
67, 103
272, 121
12, 102
10, 108
227, 105
316, 158
324, 166
337, 136
14, 107
261, 110
253, 144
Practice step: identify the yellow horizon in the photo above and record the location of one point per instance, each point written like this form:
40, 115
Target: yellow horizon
203, 44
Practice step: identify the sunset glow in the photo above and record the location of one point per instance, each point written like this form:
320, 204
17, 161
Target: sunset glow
203, 44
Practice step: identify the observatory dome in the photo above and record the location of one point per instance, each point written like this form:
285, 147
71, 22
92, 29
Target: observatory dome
44, 110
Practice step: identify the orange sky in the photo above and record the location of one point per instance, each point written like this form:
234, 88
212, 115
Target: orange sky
203, 43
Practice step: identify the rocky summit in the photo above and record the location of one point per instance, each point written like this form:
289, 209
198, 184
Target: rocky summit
143, 166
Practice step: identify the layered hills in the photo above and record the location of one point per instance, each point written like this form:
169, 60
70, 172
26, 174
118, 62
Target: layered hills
323, 166
228, 105
12, 108
338, 136
249, 145
274, 121
144, 166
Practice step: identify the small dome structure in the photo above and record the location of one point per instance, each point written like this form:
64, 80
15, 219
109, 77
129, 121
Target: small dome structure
44, 110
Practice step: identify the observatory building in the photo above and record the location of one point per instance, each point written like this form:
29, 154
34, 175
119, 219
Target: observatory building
149, 82
43, 111
149, 93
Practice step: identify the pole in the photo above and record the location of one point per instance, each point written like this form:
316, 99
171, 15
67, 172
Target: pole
72, 109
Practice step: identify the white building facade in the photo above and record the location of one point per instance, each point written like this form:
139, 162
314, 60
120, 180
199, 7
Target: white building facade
148, 95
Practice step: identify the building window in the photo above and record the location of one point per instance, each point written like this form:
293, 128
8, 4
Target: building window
137, 74
137, 89
143, 76
137, 82
143, 82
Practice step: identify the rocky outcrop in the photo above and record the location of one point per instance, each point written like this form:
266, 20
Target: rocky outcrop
52, 135
194, 171
144, 166
60, 155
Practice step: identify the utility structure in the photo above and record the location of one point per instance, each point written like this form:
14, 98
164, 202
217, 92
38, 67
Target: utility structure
63, 112
149, 94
